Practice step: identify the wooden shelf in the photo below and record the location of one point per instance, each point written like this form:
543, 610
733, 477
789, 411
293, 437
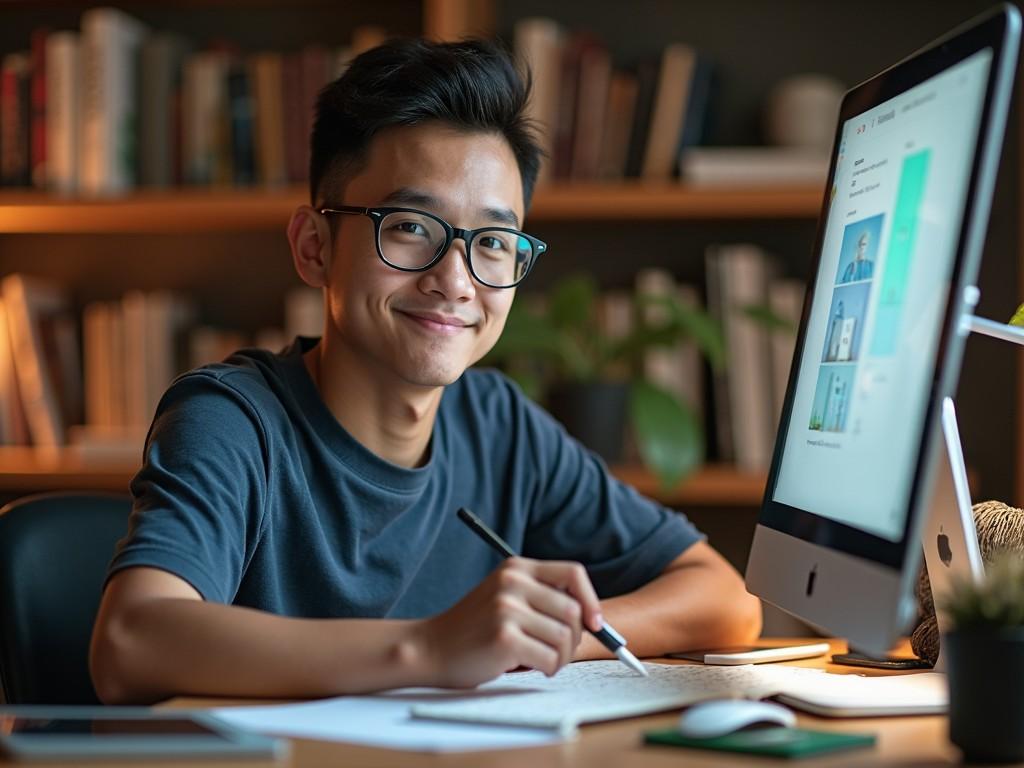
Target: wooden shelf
230, 210
25, 469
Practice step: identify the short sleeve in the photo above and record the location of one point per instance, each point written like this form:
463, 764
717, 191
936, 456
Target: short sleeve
200, 496
581, 512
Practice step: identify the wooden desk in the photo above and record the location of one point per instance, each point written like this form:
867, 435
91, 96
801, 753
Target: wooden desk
902, 741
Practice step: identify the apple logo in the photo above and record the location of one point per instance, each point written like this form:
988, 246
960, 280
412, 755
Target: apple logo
811, 578
945, 553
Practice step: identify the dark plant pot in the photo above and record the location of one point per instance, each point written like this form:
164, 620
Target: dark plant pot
986, 693
594, 413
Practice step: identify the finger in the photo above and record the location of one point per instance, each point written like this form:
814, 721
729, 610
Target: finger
559, 605
529, 649
572, 578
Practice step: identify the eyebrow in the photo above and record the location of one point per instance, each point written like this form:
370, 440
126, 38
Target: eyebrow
414, 197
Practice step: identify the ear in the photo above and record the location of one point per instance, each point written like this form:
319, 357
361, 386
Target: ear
310, 241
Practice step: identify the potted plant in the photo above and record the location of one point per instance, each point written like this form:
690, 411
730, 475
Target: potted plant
984, 654
594, 383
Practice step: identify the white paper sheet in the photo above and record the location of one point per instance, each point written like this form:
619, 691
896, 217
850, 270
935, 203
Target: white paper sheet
381, 721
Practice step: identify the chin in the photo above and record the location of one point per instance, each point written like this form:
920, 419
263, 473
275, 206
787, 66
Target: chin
432, 374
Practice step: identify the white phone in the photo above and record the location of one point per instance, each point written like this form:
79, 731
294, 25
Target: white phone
752, 654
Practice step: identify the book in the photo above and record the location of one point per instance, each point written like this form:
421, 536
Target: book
697, 113
591, 106
153, 323
37, 107
100, 366
315, 74
108, 153
10, 400
15, 165
266, 78
786, 300
36, 317
241, 114
647, 87
669, 114
292, 102
538, 44
753, 165
63, 111
740, 277
204, 104
618, 125
160, 67
568, 95
675, 368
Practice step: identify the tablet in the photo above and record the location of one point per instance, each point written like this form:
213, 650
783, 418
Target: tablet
104, 733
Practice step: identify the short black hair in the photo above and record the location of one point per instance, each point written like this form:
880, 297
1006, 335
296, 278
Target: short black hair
472, 84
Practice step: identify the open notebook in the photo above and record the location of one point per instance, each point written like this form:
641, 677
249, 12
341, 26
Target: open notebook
593, 691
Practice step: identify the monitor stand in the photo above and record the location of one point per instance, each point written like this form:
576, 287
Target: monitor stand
949, 538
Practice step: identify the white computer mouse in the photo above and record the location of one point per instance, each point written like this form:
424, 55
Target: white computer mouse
721, 716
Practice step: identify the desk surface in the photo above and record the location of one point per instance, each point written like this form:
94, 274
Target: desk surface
902, 741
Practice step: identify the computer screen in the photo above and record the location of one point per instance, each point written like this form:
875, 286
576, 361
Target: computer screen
898, 249
890, 238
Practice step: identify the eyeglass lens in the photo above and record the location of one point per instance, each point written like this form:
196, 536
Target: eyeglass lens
412, 240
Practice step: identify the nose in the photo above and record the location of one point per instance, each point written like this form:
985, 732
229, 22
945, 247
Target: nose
450, 276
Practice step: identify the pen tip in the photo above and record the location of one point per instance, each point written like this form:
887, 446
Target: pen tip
631, 661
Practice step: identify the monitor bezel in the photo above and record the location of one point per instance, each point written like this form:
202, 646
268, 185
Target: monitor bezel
988, 31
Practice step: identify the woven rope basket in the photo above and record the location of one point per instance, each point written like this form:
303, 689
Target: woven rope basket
999, 527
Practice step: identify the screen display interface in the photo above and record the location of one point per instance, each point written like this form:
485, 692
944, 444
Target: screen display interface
866, 366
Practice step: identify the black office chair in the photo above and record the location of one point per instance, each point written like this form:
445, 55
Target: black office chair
54, 552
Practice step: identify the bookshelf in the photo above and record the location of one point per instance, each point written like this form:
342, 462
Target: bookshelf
734, 33
231, 209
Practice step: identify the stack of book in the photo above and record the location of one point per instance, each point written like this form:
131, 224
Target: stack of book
748, 392
99, 397
599, 122
115, 106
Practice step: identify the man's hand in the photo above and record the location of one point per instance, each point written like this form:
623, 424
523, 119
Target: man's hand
527, 613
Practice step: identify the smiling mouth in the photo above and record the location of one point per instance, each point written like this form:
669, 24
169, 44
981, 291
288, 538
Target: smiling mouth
442, 324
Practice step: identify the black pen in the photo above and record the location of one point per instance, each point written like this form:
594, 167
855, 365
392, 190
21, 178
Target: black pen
607, 636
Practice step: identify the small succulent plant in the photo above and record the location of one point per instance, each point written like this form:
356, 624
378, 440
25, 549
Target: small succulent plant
997, 601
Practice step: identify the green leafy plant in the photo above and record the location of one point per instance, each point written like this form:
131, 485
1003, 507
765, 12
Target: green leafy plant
563, 343
1018, 316
997, 601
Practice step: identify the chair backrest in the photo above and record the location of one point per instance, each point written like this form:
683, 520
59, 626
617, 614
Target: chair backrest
54, 552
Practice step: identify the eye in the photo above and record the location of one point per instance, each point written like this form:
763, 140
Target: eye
493, 243
410, 228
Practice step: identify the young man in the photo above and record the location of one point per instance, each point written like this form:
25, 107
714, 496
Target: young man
294, 529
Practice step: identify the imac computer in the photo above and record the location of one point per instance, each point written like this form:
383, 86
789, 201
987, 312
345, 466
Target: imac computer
839, 537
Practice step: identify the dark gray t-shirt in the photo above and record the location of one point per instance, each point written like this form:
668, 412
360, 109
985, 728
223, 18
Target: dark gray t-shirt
253, 493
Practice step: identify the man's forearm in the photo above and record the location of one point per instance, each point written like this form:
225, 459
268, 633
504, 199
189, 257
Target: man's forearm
695, 606
171, 646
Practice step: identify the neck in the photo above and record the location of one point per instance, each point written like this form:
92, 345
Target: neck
390, 417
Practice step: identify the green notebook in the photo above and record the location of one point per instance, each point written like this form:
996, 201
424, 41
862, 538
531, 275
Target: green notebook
776, 742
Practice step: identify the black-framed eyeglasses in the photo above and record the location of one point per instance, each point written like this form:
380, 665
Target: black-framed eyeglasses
414, 241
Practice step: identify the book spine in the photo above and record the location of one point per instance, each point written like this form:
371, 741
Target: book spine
62, 114
14, 120
30, 303
240, 107
110, 46
591, 106
159, 62
677, 64
38, 98
538, 45
266, 77
292, 104
747, 344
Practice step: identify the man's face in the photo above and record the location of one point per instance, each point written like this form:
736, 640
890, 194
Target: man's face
425, 328
862, 246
